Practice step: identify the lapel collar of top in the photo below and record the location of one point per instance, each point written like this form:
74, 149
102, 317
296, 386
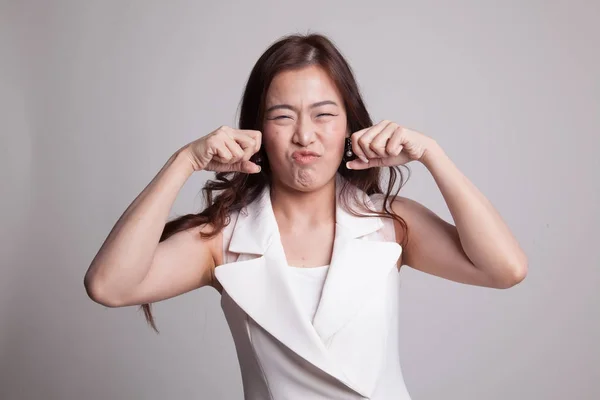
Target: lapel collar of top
258, 283
256, 226
357, 263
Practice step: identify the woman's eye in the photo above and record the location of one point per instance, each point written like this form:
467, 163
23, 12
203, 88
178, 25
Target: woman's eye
281, 117
326, 114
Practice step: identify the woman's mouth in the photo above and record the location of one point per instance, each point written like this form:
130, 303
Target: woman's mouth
304, 157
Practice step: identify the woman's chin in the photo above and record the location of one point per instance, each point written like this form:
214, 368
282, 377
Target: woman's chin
308, 179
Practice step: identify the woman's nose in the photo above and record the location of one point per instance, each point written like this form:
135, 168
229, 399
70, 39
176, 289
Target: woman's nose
305, 132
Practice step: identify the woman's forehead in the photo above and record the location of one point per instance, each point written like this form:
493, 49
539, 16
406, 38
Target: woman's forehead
302, 87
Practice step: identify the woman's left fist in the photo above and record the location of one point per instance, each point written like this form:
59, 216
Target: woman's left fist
387, 144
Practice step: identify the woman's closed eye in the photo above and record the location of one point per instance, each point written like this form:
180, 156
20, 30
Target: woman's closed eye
280, 117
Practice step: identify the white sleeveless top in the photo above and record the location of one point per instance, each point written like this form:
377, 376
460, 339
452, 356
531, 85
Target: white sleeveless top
348, 349
307, 286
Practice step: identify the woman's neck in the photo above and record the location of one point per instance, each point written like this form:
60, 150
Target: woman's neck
299, 210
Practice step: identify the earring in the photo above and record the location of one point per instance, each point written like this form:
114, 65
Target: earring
348, 153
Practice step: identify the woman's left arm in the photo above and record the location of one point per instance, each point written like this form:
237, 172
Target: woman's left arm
480, 249
485, 238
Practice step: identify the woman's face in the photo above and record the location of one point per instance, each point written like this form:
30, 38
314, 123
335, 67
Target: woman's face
304, 128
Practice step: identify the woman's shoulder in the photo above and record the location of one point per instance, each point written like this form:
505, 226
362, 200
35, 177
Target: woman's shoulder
379, 200
396, 203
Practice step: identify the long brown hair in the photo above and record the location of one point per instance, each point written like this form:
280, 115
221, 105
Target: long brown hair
235, 190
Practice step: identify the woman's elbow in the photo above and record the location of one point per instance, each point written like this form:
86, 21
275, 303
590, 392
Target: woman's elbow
517, 272
97, 293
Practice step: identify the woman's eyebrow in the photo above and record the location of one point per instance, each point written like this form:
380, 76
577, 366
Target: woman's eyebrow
292, 108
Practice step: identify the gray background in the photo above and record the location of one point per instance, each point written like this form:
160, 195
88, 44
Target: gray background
96, 95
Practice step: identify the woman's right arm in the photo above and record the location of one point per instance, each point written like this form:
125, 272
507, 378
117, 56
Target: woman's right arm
132, 267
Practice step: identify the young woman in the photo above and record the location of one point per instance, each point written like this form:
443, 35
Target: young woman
300, 236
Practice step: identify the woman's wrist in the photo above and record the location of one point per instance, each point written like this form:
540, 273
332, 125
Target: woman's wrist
181, 161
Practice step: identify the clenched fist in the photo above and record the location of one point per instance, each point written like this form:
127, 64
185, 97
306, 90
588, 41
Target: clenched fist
225, 150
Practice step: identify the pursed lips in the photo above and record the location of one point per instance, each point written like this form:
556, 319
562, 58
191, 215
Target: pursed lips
304, 157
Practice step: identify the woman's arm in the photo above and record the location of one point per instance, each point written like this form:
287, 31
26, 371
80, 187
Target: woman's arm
132, 267
479, 250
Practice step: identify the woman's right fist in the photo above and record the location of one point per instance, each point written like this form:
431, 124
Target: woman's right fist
225, 150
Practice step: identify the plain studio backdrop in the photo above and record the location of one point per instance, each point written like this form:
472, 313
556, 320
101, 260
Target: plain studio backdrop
96, 95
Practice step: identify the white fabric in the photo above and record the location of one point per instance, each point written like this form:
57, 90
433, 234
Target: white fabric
307, 285
350, 350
